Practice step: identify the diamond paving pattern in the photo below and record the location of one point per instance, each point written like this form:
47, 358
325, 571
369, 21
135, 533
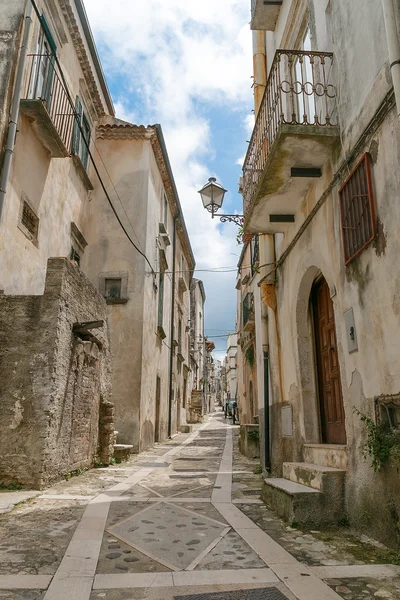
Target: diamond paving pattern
172, 535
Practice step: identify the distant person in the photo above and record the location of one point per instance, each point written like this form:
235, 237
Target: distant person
234, 409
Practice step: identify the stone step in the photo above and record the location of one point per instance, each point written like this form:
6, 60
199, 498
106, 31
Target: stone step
122, 451
326, 455
324, 479
300, 504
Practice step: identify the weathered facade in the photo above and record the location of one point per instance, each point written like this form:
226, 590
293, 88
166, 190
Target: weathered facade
55, 370
148, 298
322, 183
55, 380
231, 376
197, 350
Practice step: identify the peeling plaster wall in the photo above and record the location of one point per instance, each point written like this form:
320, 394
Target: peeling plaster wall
52, 383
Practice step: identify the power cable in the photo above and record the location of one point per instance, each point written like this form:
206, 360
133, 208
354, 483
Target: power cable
78, 123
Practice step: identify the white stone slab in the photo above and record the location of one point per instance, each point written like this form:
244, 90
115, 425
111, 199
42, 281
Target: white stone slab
247, 501
133, 580
267, 549
243, 576
348, 571
10, 499
302, 582
69, 588
234, 516
289, 486
24, 582
64, 497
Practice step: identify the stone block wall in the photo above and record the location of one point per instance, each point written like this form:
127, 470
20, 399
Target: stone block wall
55, 410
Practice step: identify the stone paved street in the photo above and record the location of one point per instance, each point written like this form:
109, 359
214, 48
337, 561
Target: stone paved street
181, 521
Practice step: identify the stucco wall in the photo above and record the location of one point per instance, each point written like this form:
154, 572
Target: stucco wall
52, 382
368, 285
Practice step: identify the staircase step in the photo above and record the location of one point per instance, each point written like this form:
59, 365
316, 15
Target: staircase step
122, 451
329, 455
299, 503
324, 479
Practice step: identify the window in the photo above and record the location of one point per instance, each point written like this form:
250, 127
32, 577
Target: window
180, 336
357, 210
165, 211
29, 221
81, 135
255, 254
74, 256
113, 288
43, 65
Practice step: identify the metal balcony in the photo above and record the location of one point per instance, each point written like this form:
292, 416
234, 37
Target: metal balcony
47, 105
264, 14
248, 312
293, 136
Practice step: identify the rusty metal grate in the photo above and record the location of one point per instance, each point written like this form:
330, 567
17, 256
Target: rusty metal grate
357, 210
271, 593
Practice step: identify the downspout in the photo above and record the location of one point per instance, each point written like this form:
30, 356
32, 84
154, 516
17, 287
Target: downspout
12, 128
171, 352
259, 68
393, 42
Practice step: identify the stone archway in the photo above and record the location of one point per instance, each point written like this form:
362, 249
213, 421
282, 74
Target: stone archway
306, 359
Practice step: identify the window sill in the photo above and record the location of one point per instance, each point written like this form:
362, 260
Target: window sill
116, 300
28, 235
82, 172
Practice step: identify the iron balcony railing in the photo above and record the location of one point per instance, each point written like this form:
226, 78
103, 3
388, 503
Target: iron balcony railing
45, 84
298, 92
248, 308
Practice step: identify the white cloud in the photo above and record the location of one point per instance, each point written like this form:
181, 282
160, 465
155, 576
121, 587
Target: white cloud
179, 59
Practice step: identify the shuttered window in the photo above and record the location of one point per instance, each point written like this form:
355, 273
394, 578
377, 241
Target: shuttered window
357, 210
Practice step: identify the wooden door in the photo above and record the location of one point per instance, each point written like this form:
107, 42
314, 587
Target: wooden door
329, 385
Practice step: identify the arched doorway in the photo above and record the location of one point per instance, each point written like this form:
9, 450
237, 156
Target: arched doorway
332, 416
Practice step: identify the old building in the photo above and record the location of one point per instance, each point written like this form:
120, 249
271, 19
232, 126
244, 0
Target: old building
78, 183
231, 366
146, 283
197, 350
321, 182
55, 360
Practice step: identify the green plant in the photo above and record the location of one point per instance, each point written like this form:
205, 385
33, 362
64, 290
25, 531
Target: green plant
249, 356
253, 435
382, 445
239, 236
257, 470
12, 487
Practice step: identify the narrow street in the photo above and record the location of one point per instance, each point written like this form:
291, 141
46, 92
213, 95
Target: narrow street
182, 521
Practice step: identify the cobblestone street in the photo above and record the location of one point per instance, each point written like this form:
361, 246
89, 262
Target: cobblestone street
182, 521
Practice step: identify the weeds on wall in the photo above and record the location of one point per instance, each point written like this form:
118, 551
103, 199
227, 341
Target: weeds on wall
253, 435
383, 443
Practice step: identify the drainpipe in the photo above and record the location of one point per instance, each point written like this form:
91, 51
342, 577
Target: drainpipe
12, 128
393, 42
259, 68
267, 433
171, 352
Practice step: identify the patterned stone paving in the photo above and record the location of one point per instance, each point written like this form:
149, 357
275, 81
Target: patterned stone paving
169, 534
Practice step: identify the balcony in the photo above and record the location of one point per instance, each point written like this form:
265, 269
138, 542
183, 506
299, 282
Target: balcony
293, 136
248, 312
47, 106
264, 14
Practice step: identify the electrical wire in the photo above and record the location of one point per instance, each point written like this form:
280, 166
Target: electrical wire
78, 123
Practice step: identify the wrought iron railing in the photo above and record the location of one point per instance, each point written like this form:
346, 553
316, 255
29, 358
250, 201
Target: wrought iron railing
45, 84
248, 308
298, 92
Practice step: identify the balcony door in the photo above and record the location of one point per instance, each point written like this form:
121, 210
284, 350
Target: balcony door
43, 65
304, 83
329, 385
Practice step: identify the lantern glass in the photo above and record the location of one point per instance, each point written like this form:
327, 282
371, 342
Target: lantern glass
212, 195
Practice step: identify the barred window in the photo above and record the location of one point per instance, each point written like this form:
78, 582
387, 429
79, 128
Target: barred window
29, 221
357, 210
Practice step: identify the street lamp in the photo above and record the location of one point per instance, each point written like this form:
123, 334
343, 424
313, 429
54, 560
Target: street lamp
212, 195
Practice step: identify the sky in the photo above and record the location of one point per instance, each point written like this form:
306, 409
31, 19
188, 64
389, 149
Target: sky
187, 64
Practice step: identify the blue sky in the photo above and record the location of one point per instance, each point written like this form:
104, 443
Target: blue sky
188, 65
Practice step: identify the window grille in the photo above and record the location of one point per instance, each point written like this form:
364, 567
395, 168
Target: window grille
113, 288
357, 210
29, 221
